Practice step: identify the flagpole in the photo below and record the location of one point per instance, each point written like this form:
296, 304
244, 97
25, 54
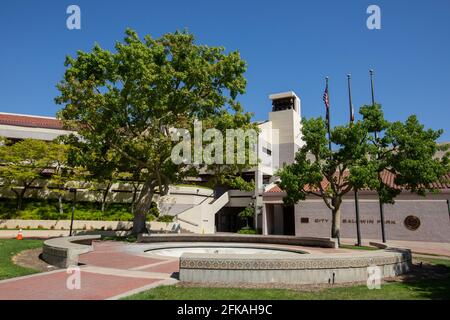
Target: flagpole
352, 118
383, 232
328, 114
326, 100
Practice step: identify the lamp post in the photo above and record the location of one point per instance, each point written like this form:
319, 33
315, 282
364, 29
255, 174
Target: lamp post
74, 191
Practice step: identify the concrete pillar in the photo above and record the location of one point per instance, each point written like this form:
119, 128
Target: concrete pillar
259, 186
264, 220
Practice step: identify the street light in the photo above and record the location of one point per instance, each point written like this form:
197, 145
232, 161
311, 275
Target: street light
74, 190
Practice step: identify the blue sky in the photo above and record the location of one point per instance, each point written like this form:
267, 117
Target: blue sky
288, 45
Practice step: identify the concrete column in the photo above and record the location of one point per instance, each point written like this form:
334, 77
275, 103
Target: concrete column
259, 186
264, 220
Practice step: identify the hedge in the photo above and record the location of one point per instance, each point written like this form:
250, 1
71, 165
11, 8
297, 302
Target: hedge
37, 209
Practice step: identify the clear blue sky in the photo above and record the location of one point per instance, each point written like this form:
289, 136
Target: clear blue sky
288, 45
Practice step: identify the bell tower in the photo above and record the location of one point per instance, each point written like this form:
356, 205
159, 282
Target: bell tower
285, 117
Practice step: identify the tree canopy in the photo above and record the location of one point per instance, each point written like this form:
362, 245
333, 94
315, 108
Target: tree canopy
358, 159
24, 162
125, 102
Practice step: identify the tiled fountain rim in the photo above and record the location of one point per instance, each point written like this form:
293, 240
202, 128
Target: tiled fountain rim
240, 238
147, 248
389, 256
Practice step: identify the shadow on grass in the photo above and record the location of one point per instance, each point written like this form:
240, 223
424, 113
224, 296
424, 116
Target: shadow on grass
430, 279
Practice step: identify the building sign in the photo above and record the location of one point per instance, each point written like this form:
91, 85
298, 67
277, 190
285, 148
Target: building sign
412, 223
362, 221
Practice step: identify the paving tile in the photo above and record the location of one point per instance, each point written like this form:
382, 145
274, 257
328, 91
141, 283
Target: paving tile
119, 260
53, 287
169, 267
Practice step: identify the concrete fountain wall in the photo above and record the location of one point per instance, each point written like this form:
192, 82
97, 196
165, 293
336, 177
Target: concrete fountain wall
304, 269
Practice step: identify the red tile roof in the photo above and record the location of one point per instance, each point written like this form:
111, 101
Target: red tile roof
30, 121
275, 189
387, 177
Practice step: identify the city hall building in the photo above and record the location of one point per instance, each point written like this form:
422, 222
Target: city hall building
412, 217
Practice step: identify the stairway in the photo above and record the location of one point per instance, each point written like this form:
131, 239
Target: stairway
201, 218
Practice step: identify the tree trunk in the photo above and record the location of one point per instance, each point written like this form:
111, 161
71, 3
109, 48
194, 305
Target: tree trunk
19, 202
20, 196
336, 220
133, 200
105, 195
60, 204
142, 207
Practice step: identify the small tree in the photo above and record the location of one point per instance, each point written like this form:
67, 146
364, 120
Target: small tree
358, 159
62, 173
23, 164
247, 214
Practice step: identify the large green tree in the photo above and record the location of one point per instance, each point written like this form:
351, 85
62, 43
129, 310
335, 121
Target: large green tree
126, 102
359, 158
99, 163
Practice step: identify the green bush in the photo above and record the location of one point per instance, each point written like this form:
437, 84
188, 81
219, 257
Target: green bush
247, 231
154, 211
165, 218
38, 209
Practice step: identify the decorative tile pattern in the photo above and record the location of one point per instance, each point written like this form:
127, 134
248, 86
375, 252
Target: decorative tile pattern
201, 261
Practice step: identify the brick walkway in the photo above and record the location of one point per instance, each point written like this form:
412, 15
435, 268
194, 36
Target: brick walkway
106, 273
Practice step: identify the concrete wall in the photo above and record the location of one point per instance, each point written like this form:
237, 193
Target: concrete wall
18, 132
303, 269
288, 124
239, 198
287, 153
201, 218
433, 215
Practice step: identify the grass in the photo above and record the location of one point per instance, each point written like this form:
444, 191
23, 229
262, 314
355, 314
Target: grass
8, 249
422, 289
354, 247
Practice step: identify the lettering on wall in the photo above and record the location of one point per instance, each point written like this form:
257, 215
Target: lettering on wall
362, 221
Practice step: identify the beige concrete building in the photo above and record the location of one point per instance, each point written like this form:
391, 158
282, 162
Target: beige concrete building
204, 211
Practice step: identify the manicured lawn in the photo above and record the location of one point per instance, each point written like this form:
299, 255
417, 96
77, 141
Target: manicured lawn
8, 249
419, 289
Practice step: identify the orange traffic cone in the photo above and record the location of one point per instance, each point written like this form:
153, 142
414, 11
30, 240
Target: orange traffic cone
20, 235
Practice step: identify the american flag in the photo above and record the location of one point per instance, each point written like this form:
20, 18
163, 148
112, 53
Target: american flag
326, 99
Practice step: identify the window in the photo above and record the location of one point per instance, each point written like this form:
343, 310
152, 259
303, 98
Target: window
267, 151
